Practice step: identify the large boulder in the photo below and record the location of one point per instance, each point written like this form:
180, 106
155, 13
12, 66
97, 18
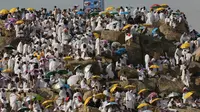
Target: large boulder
128, 72
116, 36
171, 33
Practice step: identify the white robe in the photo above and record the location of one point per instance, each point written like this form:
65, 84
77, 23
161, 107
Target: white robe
20, 47
150, 18
109, 71
97, 47
147, 60
130, 100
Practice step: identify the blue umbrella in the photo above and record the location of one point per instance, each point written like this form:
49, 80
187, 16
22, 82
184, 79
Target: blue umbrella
124, 12
80, 12
112, 103
66, 86
154, 30
120, 51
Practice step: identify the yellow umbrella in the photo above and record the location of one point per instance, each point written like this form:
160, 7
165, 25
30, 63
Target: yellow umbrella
13, 10
129, 87
160, 9
99, 96
185, 45
164, 5
142, 105
187, 95
142, 90
96, 77
87, 100
96, 35
7, 71
20, 22
154, 100
127, 26
47, 101
154, 66
147, 25
4, 11
112, 99
48, 106
113, 88
67, 58
110, 8
30, 9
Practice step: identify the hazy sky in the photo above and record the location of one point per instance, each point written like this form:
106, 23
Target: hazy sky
190, 7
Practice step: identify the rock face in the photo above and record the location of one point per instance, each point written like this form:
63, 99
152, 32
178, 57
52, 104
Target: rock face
128, 72
143, 44
173, 34
113, 36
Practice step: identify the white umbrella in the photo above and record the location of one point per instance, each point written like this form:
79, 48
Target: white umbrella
73, 80
87, 68
115, 44
173, 94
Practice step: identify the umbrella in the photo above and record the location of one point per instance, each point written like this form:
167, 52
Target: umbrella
142, 105
12, 20
110, 8
154, 66
99, 96
75, 68
67, 58
13, 10
87, 68
188, 94
147, 111
114, 12
185, 45
47, 102
127, 26
19, 22
115, 44
124, 13
9, 47
51, 73
61, 72
129, 87
154, 100
160, 9
39, 98
173, 94
94, 13
114, 88
111, 103
164, 5
120, 51
50, 105
146, 25
96, 77
87, 100
7, 71
142, 90
4, 11
104, 13
152, 94
30, 9
80, 13
96, 35
155, 6
23, 109
73, 80
154, 30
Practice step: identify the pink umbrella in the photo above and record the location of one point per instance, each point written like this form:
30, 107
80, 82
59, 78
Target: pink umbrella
153, 94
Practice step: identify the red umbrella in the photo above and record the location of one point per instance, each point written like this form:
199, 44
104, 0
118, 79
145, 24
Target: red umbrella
155, 6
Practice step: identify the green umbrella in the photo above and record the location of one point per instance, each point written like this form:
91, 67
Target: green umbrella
9, 47
51, 73
38, 97
61, 72
94, 13
23, 109
114, 12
